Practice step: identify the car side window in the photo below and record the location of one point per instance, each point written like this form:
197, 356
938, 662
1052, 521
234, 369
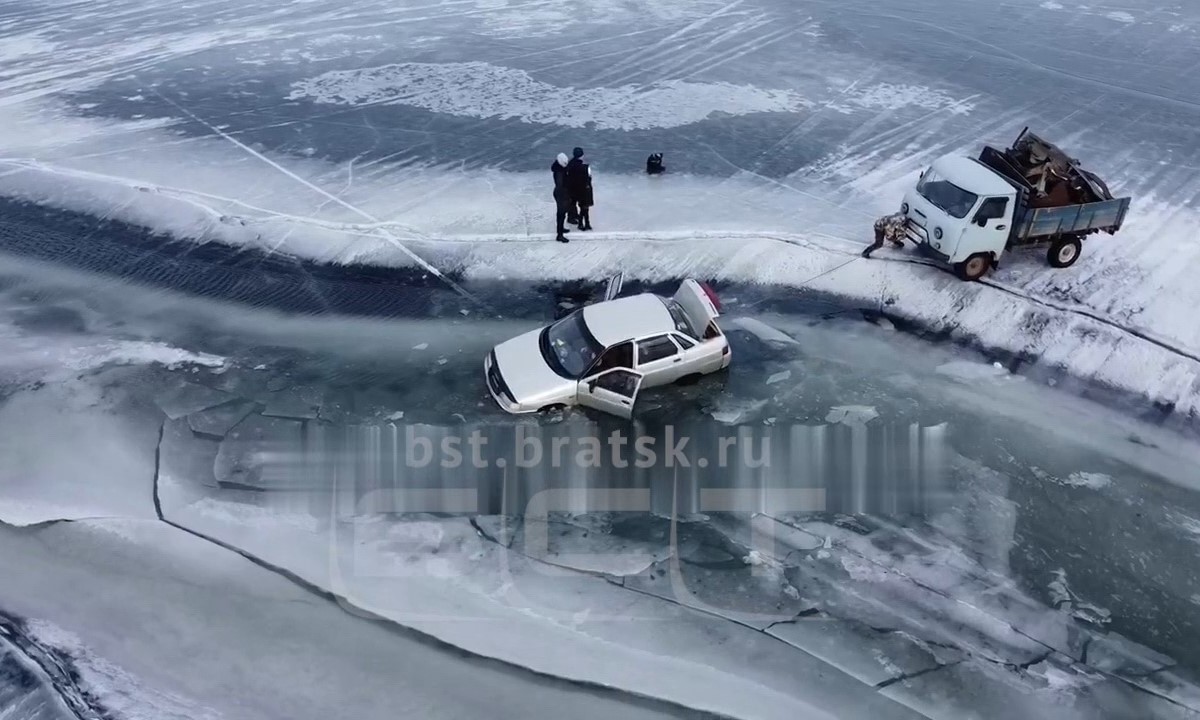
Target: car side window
992, 209
684, 341
655, 348
623, 382
617, 356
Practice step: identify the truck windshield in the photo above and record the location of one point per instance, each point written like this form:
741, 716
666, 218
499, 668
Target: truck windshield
946, 195
568, 346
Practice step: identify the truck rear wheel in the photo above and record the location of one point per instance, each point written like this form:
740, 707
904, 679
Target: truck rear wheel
1064, 252
973, 267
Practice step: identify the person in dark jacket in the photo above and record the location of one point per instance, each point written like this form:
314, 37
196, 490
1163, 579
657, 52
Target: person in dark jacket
583, 199
654, 164
574, 183
562, 198
579, 187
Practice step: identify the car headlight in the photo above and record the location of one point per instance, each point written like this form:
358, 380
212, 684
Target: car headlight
937, 233
904, 208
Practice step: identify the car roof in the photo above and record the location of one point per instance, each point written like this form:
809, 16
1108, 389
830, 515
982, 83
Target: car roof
972, 176
635, 316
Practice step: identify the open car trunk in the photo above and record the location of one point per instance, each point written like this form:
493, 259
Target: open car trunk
699, 309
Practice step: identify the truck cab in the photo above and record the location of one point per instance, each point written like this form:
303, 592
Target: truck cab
966, 212
961, 213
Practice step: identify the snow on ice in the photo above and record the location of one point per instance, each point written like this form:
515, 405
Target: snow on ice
764, 240
482, 90
1123, 317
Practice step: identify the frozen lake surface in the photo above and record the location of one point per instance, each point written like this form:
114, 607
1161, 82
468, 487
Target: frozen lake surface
248, 254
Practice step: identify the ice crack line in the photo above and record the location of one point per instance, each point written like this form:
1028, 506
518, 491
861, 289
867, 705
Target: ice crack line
529, 674
380, 231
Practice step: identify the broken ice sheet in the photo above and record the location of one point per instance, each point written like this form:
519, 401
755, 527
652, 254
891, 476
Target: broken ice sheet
300, 402
187, 398
717, 574
870, 655
1116, 654
779, 377
731, 412
851, 414
184, 457
217, 421
763, 331
256, 453
588, 543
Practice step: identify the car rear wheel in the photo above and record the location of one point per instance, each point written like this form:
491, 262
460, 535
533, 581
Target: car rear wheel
1064, 252
973, 267
555, 408
690, 379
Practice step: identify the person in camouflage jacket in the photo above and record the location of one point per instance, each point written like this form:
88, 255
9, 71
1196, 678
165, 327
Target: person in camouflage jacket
889, 228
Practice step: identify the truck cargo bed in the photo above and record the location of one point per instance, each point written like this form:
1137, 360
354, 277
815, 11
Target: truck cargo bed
1039, 223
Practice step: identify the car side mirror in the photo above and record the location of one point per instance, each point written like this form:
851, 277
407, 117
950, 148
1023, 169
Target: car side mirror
981, 221
592, 385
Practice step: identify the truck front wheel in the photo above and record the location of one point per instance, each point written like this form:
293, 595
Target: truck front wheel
1064, 252
973, 267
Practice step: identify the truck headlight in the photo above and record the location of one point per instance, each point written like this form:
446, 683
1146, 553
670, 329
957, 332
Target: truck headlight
904, 208
937, 233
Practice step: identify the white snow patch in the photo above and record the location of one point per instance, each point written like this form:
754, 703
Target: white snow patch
889, 96
1051, 5
482, 90
779, 377
1120, 16
862, 570
22, 47
969, 371
1092, 480
1186, 523
247, 514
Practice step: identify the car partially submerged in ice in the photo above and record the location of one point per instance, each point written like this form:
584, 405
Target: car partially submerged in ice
602, 355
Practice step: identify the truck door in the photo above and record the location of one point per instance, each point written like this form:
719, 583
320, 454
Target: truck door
989, 228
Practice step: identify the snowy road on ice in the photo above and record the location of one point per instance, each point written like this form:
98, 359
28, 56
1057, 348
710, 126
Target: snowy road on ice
240, 244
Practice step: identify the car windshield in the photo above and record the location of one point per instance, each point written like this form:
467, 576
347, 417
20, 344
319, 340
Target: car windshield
568, 346
946, 195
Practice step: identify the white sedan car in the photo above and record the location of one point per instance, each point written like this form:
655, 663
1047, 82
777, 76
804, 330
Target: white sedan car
602, 355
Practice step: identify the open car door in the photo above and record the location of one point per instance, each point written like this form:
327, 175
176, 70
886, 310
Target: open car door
613, 391
613, 289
